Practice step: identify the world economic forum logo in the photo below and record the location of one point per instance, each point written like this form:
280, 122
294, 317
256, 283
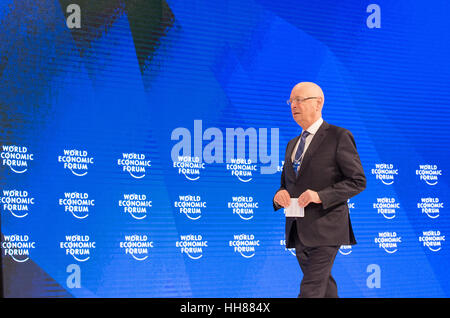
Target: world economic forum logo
430, 206
138, 246
77, 203
191, 206
244, 206
433, 239
135, 164
385, 172
17, 202
136, 205
190, 167
244, 244
242, 169
77, 161
78, 246
387, 207
290, 250
429, 174
388, 241
345, 249
193, 245
18, 247
17, 158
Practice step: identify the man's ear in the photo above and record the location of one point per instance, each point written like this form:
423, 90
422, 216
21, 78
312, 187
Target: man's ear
319, 104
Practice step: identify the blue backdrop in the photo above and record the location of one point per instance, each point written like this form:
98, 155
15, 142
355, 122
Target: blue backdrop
107, 131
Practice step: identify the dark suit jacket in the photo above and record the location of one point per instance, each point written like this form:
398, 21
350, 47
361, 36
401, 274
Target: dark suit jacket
331, 167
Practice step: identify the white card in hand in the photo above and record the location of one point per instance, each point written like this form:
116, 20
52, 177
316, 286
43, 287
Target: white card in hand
294, 210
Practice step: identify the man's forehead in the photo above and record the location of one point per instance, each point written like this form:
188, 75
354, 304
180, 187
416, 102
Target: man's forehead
300, 91
304, 90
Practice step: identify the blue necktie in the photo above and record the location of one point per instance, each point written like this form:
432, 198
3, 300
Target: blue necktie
299, 153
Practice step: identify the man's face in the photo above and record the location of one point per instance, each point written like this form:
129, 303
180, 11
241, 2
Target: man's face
307, 111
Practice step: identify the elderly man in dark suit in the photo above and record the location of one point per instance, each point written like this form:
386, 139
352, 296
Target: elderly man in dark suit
323, 170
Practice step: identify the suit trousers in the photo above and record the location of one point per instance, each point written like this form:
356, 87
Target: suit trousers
316, 264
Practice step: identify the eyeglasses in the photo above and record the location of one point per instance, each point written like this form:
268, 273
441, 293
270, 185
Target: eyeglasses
298, 100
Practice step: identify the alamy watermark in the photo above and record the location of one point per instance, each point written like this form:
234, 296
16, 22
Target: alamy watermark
213, 146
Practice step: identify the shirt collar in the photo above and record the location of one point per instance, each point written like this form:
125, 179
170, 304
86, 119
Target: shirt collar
315, 126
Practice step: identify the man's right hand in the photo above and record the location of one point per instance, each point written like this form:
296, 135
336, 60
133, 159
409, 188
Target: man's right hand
282, 198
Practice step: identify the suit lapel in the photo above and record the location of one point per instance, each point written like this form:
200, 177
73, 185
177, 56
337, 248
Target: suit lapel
288, 160
314, 145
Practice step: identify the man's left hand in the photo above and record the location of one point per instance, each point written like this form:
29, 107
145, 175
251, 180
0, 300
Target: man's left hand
307, 197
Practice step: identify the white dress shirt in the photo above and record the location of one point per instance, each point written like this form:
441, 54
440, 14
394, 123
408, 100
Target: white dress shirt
312, 131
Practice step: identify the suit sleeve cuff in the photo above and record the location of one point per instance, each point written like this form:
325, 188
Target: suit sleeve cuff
325, 198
